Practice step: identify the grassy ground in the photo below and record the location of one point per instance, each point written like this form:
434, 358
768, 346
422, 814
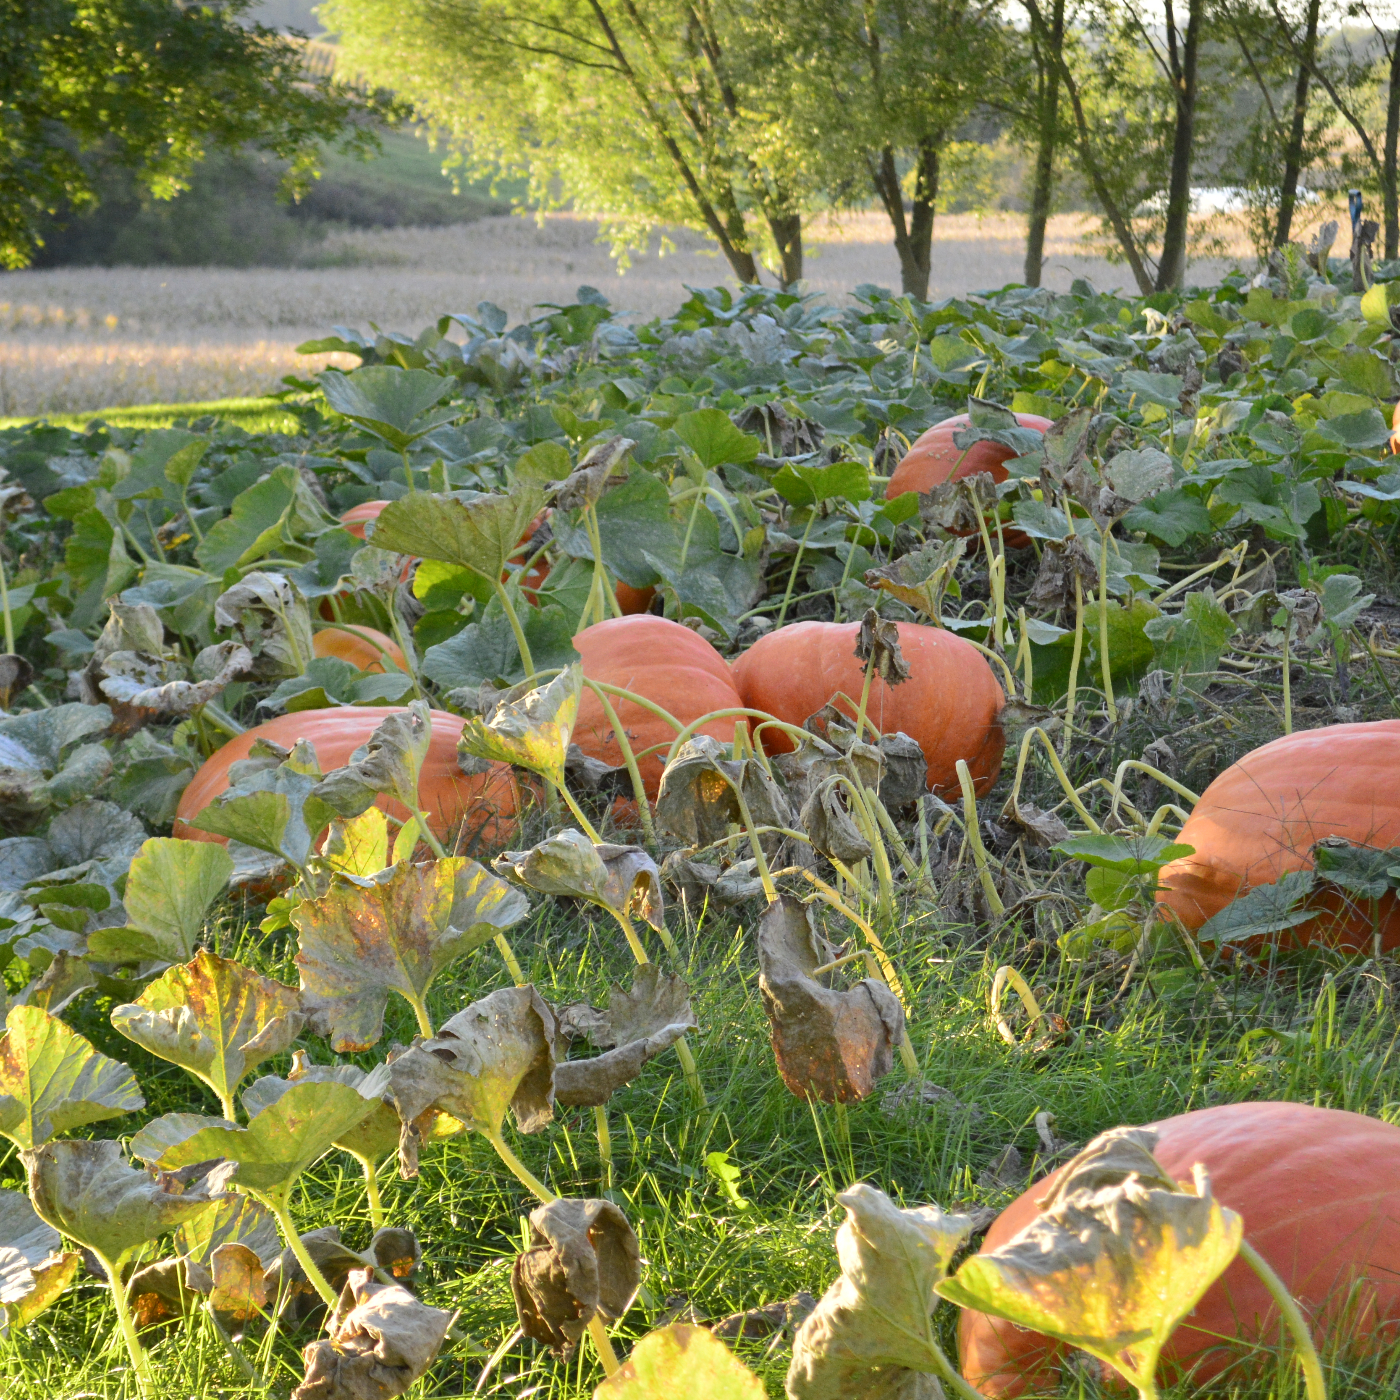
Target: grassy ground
256, 415
1168, 1046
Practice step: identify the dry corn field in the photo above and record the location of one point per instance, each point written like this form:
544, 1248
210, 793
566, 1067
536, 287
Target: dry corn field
79, 339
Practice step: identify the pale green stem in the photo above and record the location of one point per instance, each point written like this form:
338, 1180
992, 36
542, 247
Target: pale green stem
405, 646
796, 565
1287, 675
865, 694
629, 759
5, 602
317, 1279
600, 570
376, 1206
189, 516
140, 1362
511, 961
229, 1107
1071, 793
1028, 665
974, 840
587, 826
1074, 664
420, 1010
222, 720
1293, 1315
996, 582
503, 593
434, 844
605, 1153
1105, 661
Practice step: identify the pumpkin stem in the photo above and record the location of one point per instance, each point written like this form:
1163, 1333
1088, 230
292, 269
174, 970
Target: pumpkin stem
1105, 660
1287, 673
629, 758
511, 616
1070, 791
605, 1153
974, 840
1141, 767
796, 565
1074, 664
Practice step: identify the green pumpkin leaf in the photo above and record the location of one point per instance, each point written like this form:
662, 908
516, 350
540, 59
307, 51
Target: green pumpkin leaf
1131, 855
278, 1144
487, 651
1192, 640
169, 889
806, 484
328, 681
52, 1080
393, 931
876, 1319
474, 531
259, 520
214, 1018
714, 439
623, 879
1262, 911
1170, 516
90, 1192
1117, 1257
394, 404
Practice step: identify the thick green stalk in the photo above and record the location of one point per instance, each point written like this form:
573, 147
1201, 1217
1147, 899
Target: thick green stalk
974, 840
511, 961
376, 1206
1287, 675
1292, 1315
5, 603
278, 1206
1074, 665
605, 1153
1105, 660
629, 760
796, 564
140, 1362
503, 593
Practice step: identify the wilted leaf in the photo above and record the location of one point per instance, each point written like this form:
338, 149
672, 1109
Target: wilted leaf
228, 1218
586, 483
1117, 1257
681, 1362
877, 648
382, 1341
89, 1192
832, 1045
583, 1262
619, 878
393, 758
169, 889
392, 931
214, 1018
52, 1080
278, 1144
359, 845
16, 674
827, 821
657, 1000
531, 731
33, 1268
697, 800
874, 1324
497, 1053
271, 619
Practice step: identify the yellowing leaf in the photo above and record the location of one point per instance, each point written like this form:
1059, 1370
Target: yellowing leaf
681, 1363
532, 731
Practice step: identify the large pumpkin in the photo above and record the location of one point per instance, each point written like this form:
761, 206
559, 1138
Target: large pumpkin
482, 805
1261, 817
1319, 1191
667, 664
363, 647
935, 458
949, 705
355, 518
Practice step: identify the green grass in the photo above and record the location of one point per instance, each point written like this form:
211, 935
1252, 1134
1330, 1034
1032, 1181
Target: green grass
257, 415
1169, 1046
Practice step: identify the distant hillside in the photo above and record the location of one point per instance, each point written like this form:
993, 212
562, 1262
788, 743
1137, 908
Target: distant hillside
232, 216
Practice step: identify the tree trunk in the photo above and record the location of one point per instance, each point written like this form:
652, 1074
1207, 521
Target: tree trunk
1049, 114
913, 234
1172, 268
787, 238
1392, 138
1297, 132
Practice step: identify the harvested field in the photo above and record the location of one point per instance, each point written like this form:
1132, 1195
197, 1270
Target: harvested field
78, 339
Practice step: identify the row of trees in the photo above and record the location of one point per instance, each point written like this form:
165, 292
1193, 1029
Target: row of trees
743, 117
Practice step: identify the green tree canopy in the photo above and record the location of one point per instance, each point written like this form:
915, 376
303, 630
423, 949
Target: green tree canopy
151, 84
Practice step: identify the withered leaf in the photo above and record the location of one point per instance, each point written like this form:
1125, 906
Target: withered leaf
1118, 1256
832, 1045
922, 578
681, 1362
34, 1270
874, 1325
585, 485
272, 621
392, 931
827, 821
16, 676
383, 1340
877, 646
531, 731
497, 1053
1061, 562
619, 878
697, 799
583, 1262
657, 1000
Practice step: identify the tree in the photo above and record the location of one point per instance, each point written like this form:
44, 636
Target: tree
149, 84
649, 112
1047, 50
875, 89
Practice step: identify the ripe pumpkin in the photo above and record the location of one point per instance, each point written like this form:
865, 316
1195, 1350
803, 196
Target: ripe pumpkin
360, 646
355, 518
1320, 1197
934, 459
1260, 818
949, 705
483, 805
668, 664
1395, 424
633, 600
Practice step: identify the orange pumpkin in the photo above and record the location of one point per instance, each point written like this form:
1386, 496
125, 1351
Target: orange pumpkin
355, 518
633, 600
1320, 1196
1395, 435
482, 805
363, 647
1261, 817
934, 459
949, 705
667, 664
